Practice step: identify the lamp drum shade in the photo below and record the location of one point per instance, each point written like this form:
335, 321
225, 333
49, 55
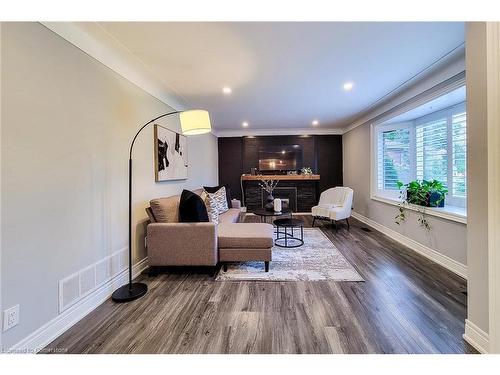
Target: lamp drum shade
195, 121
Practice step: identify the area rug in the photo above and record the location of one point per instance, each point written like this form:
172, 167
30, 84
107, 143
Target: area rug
317, 260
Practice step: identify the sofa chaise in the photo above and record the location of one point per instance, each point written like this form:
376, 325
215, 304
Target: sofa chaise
172, 243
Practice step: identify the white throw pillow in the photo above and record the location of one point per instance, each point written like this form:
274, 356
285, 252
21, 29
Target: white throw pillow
220, 199
211, 205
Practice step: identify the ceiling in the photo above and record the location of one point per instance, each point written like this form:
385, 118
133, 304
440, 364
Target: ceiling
284, 75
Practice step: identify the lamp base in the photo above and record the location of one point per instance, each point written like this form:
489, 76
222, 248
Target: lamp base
129, 292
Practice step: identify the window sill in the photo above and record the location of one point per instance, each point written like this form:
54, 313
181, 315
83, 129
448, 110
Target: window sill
453, 213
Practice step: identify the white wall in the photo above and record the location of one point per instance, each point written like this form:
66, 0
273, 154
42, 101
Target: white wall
446, 237
1, 308
477, 175
67, 122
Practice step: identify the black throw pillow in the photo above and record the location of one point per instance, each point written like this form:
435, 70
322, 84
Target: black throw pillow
213, 189
192, 208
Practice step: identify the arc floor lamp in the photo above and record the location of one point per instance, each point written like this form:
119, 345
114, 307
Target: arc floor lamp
192, 122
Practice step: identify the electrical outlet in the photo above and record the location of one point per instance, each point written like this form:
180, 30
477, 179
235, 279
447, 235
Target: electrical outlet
11, 317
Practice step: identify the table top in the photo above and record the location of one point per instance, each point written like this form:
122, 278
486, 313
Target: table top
288, 222
263, 212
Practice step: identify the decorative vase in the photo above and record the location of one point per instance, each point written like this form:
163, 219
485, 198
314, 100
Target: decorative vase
270, 203
277, 205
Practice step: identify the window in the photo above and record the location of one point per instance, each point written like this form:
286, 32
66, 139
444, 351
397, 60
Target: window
430, 147
394, 163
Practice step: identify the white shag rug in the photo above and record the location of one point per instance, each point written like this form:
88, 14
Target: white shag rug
317, 260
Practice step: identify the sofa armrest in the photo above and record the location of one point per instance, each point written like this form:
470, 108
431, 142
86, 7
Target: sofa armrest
235, 203
182, 244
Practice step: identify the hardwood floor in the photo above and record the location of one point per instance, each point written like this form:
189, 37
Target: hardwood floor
407, 304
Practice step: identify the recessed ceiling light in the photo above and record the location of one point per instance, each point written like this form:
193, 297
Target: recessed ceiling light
227, 90
348, 86
245, 124
315, 123
283, 151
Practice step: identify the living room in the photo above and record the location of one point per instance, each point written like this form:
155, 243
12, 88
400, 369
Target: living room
250, 187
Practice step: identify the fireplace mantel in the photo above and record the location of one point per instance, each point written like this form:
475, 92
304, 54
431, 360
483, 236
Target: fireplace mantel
280, 177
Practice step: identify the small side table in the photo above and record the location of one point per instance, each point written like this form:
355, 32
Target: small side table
288, 240
264, 214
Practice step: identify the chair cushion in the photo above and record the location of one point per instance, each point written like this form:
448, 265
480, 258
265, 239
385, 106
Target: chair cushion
166, 210
192, 209
242, 255
338, 213
230, 216
245, 235
322, 210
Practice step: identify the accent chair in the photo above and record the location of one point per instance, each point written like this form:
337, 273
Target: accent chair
334, 204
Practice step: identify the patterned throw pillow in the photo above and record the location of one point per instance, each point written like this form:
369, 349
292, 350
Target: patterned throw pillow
220, 200
211, 205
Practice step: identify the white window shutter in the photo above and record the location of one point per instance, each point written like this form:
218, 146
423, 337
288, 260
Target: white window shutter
432, 154
459, 157
393, 158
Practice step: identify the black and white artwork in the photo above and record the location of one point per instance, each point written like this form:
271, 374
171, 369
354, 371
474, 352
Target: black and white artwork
171, 162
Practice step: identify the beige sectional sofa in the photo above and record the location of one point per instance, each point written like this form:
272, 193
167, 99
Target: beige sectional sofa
171, 243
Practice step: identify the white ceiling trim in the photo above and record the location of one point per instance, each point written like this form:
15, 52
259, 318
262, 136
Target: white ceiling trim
289, 131
97, 43
432, 77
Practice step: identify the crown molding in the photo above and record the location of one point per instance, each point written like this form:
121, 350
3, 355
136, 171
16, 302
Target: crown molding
287, 131
96, 42
446, 71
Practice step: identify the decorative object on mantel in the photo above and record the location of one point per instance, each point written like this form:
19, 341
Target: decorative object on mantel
269, 186
306, 170
420, 194
192, 122
277, 205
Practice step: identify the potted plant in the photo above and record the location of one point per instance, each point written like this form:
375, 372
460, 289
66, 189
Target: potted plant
306, 170
420, 194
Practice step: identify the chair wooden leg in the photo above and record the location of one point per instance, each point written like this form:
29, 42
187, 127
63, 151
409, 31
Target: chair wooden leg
347, 221
266, 266
334, 223
314, 220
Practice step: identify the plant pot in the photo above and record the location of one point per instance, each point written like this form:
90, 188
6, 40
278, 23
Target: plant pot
409, 198
431, 200
270, 203
436, 200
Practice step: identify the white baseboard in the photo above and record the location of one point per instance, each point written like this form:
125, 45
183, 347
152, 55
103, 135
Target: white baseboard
451, 264
476, 337
43, 336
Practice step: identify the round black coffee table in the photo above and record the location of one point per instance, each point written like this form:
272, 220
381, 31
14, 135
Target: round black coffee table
288, 240
264, 214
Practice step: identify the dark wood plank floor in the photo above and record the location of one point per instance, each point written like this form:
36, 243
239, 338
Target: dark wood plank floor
407, 304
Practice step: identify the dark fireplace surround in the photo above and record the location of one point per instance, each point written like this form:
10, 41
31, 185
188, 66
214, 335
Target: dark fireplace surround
238, 155
287, 194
